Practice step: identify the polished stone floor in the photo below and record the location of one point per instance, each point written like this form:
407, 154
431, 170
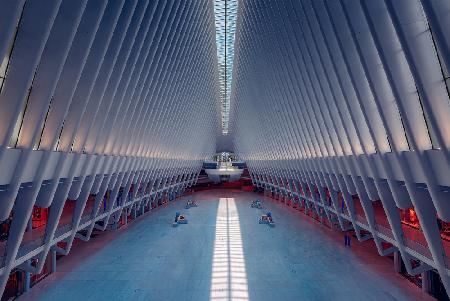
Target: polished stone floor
224, 254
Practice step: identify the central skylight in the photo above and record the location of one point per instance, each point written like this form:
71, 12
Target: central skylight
225, 13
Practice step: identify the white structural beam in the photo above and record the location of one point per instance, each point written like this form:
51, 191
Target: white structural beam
114, 105
333, 100
115, 101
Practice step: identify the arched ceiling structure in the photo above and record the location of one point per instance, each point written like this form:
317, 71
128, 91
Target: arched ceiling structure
116, 98
116, 103
336, 100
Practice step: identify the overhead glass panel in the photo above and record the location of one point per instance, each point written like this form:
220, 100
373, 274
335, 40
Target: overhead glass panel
225, 14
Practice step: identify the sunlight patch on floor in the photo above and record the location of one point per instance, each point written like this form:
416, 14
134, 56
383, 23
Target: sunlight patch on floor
229, 277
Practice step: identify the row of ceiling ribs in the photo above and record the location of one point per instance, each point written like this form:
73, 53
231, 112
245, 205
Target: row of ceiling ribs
99, 97
349, 98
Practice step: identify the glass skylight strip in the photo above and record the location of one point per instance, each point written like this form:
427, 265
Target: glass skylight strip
225, 15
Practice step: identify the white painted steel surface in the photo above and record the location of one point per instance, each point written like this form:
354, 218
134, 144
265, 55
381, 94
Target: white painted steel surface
98, 96
351, 97
345, 96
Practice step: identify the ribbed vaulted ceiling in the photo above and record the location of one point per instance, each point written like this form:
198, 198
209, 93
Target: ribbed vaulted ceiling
115, 99
337, 100
115, 104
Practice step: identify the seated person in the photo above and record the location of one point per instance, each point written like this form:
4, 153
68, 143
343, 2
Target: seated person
267, 217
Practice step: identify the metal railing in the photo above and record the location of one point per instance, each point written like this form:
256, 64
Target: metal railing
418, 247
413, 245
384, 230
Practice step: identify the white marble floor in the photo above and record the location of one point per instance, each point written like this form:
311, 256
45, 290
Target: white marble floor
223, 254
